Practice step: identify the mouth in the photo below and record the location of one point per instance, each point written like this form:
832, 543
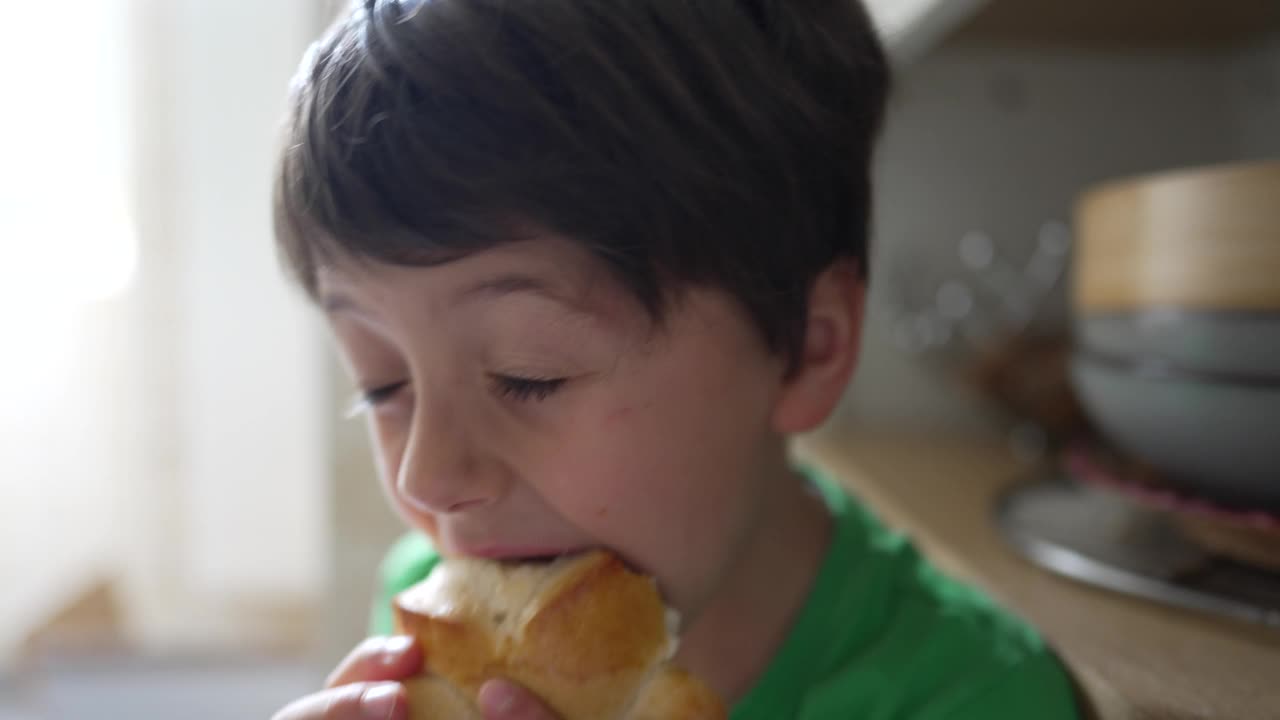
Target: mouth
543, 556
534, 559
521, 555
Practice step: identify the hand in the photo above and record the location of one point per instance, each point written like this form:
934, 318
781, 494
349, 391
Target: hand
503, 700
366, 686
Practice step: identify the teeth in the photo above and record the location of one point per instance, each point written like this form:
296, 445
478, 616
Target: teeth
673, 621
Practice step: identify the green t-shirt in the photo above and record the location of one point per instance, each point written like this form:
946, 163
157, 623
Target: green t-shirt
883, 636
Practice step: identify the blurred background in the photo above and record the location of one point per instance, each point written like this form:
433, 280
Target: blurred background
185, 519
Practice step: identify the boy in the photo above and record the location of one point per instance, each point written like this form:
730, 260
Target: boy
590, 263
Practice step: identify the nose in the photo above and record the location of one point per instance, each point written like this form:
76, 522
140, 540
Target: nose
441, 471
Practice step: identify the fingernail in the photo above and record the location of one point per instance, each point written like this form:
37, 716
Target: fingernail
394, 648
379, 702
497, 698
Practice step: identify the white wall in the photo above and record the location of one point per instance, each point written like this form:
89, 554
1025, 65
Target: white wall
1002, 142
252, 353
232, 509
68, 255
173, 438
1254, 81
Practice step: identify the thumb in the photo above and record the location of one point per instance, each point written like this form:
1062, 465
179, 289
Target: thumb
504, 700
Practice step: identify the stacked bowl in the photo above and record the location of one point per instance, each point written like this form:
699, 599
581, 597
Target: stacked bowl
1176, 300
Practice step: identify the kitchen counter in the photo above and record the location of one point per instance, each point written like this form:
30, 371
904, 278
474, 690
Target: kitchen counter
1134, 659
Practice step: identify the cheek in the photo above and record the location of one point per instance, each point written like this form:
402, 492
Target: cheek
387, 443
388, 448
667, 471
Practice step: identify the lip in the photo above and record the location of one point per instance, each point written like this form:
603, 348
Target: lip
516, 552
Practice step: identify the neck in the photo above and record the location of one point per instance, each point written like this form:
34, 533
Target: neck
746, 621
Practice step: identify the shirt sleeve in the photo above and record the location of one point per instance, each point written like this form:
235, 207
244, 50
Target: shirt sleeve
408, 561
1038, 687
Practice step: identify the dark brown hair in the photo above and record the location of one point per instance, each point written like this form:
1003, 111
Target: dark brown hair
724, 143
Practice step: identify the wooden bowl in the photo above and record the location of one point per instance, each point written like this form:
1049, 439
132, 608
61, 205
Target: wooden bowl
1205, 239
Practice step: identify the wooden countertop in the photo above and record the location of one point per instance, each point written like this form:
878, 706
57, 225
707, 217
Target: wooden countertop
1136, 660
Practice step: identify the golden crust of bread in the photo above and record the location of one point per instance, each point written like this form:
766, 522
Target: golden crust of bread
433, 698
673, 694
586, 634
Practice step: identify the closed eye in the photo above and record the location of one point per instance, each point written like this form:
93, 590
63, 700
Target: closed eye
366, 400
526, 389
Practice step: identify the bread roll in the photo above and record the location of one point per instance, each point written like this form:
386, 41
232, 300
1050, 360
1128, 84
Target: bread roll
584, 633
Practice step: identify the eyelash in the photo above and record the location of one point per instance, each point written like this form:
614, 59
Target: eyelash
508, 386
366, 400
527, 389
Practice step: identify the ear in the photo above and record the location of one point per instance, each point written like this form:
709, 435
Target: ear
832, 339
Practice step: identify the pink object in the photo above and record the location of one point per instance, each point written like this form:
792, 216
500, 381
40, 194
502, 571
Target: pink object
1087, 465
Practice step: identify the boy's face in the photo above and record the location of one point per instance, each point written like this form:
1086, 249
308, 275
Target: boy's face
527, 405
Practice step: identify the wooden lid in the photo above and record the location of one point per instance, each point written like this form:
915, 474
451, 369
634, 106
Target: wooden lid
1197, 239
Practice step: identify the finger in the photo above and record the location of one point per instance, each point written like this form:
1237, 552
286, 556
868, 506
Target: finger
363, 701
378, 658
504, 700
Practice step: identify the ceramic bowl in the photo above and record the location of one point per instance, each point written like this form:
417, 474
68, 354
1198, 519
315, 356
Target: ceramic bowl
1237, 346
1220, 440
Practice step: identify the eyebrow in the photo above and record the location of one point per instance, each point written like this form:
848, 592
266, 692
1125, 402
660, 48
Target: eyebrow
489, 288
514, 283
507, 284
